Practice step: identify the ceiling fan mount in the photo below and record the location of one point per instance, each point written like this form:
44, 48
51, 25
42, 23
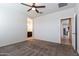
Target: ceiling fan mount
33, 7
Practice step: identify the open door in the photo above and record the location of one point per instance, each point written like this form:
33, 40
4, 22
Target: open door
66, 31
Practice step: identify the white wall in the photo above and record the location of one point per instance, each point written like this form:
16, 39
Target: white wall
12, 24
47, 27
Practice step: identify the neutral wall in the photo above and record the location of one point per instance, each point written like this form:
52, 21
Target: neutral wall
12, 24
47, 27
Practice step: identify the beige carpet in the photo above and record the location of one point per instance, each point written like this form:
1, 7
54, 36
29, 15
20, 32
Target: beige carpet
35, 47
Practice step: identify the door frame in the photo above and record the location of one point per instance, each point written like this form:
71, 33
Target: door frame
76, 32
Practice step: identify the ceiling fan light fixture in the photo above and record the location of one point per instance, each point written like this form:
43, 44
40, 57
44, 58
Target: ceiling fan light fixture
33, 8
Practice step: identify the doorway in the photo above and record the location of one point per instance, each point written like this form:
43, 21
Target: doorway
66, 31
29, 27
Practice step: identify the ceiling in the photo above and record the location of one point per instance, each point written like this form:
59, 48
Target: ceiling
50, 8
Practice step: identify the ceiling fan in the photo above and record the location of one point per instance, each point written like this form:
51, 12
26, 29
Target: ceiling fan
33, 7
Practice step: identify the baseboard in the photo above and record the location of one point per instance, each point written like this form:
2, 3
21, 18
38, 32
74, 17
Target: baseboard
12, 43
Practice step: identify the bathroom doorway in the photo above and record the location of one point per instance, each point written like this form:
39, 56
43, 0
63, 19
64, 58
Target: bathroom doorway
66, 31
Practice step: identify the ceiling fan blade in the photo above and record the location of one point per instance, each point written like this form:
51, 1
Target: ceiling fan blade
40, 6
36, 10
29, 9
26, 4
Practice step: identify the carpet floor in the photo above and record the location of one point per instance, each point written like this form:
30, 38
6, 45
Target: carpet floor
33, 47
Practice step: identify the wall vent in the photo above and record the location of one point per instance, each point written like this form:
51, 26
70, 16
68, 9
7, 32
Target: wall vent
62, 4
